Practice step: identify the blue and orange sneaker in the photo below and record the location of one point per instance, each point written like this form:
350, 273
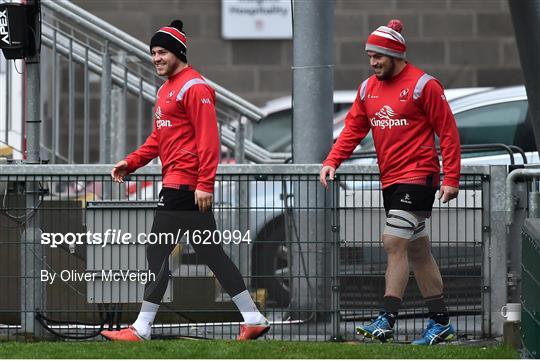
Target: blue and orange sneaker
435, 333
379, 329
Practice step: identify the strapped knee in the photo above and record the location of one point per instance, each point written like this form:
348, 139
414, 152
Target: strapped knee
404, 224
420, 230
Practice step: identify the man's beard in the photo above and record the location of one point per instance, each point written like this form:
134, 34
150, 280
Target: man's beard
387, 74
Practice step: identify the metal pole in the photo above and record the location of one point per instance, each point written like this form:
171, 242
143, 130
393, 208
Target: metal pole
240, 149
513, 242
118, 113
55, 99
8, 100
140, 110
71, 103
526, 20
312, 139
32, 289
336, 287
534, 199
313, 58
495, 254
86, 122
105, 109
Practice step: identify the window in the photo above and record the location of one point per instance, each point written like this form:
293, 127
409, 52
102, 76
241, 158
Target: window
274, 132
497, 123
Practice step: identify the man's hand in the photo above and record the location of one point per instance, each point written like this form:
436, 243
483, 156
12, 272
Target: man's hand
203, 200
326, 171
447, 193
119, 171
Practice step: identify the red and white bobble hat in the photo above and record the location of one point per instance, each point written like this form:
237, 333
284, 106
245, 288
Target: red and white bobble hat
387, 40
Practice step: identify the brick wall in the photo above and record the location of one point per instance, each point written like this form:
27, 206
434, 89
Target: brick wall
462, 42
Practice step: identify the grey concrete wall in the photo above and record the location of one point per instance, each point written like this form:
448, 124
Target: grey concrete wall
461, 42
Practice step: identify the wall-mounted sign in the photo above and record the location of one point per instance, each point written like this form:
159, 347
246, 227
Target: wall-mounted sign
256, 19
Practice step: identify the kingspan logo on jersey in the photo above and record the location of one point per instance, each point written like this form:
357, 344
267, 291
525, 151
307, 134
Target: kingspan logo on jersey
385, 118
161, 122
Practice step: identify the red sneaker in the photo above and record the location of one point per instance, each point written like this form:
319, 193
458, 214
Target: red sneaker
253, 332
126, 334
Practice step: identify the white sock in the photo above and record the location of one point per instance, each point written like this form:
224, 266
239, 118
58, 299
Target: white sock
144, 321
247, 308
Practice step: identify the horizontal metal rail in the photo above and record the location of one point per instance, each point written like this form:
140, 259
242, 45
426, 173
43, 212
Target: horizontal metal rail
223, 169
95, 61
82, 53
469, 148
253, 152
136, 85
510, 184
140, 49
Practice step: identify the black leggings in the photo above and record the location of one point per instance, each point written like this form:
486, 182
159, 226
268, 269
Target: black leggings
177, 210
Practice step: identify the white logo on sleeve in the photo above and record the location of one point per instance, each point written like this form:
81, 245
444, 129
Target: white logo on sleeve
385, 118
205, 101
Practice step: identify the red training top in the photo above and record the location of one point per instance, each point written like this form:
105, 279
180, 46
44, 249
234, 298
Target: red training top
403, 113
185, 135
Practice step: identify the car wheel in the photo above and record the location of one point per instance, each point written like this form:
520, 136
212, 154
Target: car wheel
270, 263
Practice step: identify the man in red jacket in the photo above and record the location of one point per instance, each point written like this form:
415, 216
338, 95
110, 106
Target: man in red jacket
185, 137
404, 108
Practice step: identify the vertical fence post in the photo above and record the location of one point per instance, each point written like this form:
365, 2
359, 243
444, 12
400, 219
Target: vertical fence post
105, 126
534, 199
239, 150
105, 109
117, 119
336, 287
86, 121
55, 98
118, 112
32, 289
513, 240
71, 103
244, 259
495, 254
7, 100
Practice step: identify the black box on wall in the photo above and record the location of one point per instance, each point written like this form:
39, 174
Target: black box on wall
18, 33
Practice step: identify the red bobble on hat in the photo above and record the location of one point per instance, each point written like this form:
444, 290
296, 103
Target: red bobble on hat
396, 25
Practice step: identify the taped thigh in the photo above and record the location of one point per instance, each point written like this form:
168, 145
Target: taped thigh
400, 224
420, 230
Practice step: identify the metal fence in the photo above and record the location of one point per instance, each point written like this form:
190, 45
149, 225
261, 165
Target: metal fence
107, 82
98, 88
315, 263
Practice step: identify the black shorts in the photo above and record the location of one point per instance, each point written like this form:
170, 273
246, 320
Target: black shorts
176, 209
414, 198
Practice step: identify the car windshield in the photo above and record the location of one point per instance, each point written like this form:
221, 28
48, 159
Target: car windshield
274, 132
366, 145
505, 122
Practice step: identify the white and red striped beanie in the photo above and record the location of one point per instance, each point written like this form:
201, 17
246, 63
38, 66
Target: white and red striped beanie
172, 38
387, 40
